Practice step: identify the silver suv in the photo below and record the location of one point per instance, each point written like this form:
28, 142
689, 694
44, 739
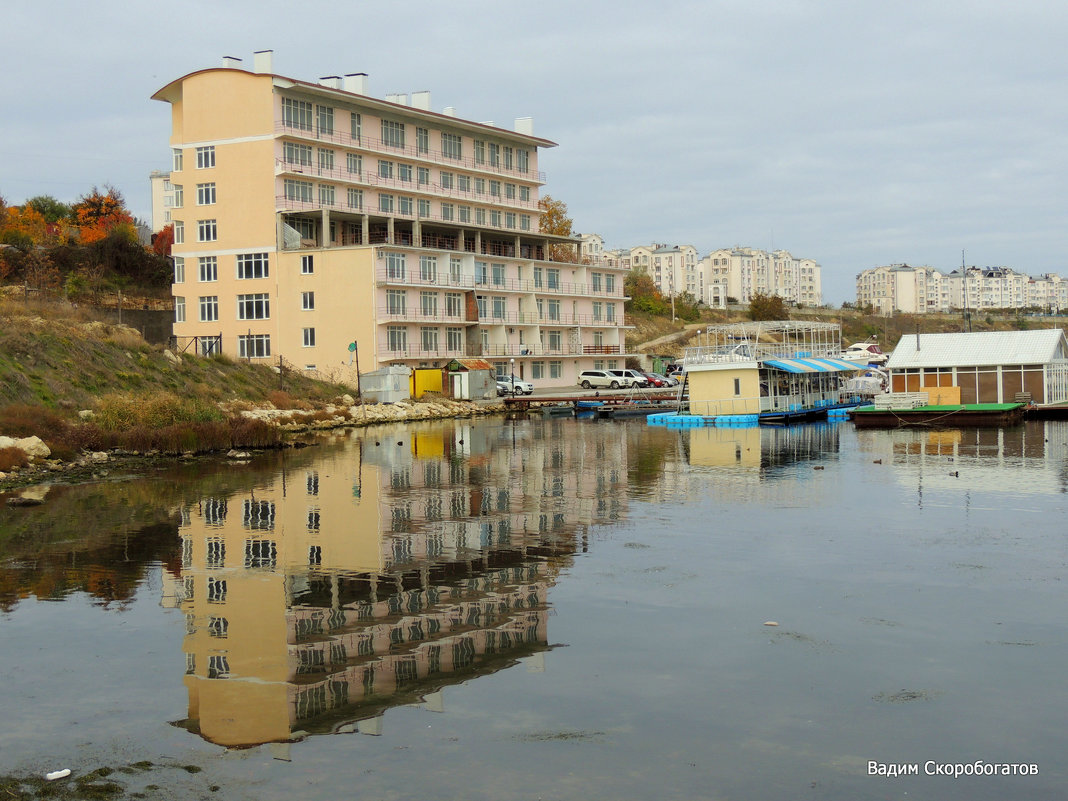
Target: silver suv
603, 379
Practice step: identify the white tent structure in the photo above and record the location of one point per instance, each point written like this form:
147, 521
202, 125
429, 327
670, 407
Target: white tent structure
988, 366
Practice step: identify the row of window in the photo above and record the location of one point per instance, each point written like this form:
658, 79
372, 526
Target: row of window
255, 306
302, 115
205, 195
205, 158
488, 273
207, 231
249, 266
489, 307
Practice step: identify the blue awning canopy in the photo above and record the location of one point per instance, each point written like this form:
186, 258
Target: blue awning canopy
826, 365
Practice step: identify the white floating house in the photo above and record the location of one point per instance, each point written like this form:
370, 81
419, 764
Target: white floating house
988, 366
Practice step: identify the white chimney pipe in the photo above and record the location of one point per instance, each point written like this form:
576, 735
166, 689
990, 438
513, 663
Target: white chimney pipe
231, 62
262, 61
421, 100
355, 82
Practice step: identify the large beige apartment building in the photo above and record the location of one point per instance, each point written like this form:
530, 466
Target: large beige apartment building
737, 274
918, 289
315, 223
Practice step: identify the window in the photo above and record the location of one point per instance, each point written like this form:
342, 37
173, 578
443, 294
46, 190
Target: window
494, 155
522, 159
481, 272
355, 198
483, 312
176, 159
209, 268
463, 183
206, 231
254, 307
252, 265
498, 308
524, 194
179, 232
298, 190
555, 340
424, 207
423, 174
309, 337
455, 268
326, 159
179, 270
609, 284
326, 195
498, 275
178, 197
428, 268
392, 133
254, 346
495, 218
595, 282
480, 152
429, 339
610, 312
538, 273
179, 310
480, 216
448, 211
598, 311
507, 153
385, 168
325, 116
464, 214
397, 338
495, 188
294, 153
209, 308
554, 309
354, 163
480, 186
307, 264
554, 278
537, 370
422, 140
404, 205
395, 266
453, 304
404, 172
524, 222
296, 114
355, 126
446, 179
556, 369
205, 157
454, 339
428, 304
509, 191
451, 146
396, 301
509, 219
307, 301
385, 203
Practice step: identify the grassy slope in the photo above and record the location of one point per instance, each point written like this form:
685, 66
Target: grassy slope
54, 357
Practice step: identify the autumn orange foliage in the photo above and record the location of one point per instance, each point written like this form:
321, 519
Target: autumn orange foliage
97, 214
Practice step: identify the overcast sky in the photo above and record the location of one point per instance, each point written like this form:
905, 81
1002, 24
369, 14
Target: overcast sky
853, 133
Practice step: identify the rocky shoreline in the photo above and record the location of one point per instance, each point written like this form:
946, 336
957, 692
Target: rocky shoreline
346, 413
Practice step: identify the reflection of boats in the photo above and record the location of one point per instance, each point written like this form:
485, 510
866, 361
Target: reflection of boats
773, 372
867, 352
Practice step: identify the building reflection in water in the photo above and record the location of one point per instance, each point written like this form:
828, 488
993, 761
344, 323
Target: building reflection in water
396, 563
1025, 459
752, 459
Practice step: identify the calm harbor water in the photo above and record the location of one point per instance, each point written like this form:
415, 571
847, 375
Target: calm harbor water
551, 609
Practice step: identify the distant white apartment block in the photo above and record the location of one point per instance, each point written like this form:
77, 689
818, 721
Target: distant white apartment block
735, 275
162, 194
917, 290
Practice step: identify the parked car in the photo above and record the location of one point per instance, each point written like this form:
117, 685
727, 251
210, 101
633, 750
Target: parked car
669, 380
505, 386
655, 380
602, 379
636, 378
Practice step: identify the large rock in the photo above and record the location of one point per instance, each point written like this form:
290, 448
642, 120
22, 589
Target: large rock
33, 447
